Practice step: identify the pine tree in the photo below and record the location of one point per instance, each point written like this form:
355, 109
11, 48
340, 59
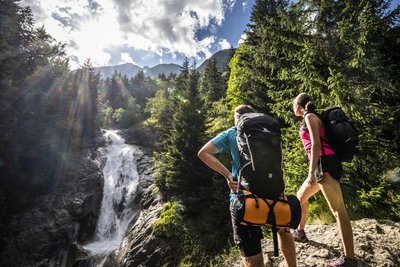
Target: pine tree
178, 167
33, 69
261, 65
84, 103
212, 84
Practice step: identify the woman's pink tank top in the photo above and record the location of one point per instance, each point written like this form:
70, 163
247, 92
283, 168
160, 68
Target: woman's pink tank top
305, 138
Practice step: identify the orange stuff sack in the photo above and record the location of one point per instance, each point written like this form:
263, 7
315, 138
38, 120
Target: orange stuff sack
248, 209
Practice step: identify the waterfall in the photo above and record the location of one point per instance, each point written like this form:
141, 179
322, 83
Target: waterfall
120, 183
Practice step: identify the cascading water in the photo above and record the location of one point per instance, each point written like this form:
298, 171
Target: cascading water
120, 183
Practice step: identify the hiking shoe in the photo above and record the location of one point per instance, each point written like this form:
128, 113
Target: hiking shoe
299, 235
343, 261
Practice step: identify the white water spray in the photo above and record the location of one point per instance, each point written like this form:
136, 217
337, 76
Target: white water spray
120, 183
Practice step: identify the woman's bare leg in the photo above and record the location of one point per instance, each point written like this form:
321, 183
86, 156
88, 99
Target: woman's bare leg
305, 192
330, 187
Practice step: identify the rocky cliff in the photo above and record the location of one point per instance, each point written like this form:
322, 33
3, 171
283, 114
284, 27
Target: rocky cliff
48, 233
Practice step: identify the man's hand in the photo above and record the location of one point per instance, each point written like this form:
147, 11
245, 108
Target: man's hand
233, 185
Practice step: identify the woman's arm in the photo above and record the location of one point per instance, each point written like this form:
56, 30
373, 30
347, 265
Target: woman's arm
313, 125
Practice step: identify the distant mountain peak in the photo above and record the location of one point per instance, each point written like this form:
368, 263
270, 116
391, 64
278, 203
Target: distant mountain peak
222, 57
131, 70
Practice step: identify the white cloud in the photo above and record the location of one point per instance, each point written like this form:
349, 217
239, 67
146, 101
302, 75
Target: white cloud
245, 5
93, 28
205, 43
126, 58
224, 44
243, 37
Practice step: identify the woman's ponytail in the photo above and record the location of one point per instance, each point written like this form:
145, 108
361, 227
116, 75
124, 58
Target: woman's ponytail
310, 106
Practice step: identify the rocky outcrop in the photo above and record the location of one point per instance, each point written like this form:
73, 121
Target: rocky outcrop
377, 243
140, 247
48, 233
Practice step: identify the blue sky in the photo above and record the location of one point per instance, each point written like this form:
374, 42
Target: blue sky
143, 32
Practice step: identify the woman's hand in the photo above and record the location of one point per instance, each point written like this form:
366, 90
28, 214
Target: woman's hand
312, 179
233, 185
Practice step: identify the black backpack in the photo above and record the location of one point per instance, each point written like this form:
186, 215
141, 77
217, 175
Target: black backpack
260, 146
341, 133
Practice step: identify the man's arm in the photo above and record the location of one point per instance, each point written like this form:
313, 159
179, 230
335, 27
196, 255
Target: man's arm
206, 154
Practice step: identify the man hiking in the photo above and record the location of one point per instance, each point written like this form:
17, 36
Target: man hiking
248, 238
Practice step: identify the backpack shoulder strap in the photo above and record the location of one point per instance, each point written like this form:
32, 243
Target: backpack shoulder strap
312, 112
320, 117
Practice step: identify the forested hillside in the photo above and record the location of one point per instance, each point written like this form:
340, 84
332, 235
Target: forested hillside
341, 52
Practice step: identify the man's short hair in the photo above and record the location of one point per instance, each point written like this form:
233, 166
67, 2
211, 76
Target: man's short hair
242, 109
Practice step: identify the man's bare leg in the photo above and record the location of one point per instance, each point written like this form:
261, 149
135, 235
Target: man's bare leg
254, 261
286, 244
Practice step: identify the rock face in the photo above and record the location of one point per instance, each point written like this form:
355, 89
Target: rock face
140, 247
48, 233
377, 243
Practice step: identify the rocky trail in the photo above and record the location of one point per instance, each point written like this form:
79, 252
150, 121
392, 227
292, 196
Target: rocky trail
377, 243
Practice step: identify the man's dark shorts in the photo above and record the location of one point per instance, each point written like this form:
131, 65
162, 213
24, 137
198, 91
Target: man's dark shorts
248, 238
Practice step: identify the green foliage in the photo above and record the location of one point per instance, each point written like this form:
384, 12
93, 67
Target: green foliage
193, 239
123, 100
176, 115
227, 258
211, 85
170, 220
171, 225
32, 68
220, 117
319, 211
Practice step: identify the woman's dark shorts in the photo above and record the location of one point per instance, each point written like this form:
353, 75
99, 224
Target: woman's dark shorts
329, 164
248, 238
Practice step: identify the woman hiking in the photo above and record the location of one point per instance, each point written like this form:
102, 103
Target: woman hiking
324, 173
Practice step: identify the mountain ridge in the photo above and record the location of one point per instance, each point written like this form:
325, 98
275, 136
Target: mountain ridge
131, 70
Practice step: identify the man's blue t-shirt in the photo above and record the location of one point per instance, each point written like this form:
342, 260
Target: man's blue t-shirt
227, 139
